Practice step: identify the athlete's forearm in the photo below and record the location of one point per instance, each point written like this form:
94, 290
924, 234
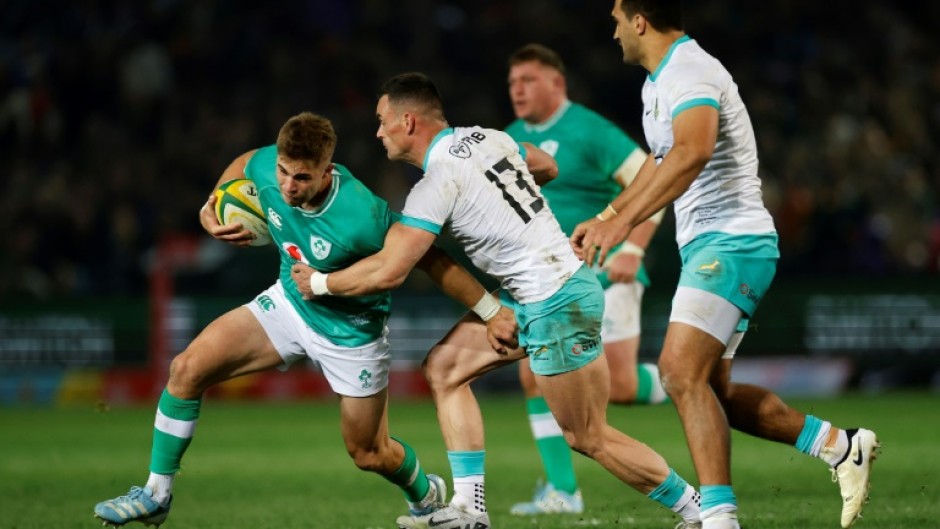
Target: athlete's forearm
453, 279
371, 275
656, 189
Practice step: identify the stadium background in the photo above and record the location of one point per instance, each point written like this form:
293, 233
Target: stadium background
116, 119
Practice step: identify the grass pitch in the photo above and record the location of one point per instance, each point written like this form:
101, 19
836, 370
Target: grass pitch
277, 465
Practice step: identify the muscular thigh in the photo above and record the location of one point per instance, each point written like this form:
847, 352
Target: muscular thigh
234, 344
364, 420
465, 353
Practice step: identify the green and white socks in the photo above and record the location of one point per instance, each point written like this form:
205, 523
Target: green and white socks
173, 430
649, 388
412, 480
552, 447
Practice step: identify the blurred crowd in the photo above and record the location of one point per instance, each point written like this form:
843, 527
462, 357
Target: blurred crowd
117, 118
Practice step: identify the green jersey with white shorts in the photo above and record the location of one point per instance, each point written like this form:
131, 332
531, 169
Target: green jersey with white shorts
349, 225
590, 152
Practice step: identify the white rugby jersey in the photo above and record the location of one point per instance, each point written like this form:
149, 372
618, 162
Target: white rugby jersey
726, 196
477, 180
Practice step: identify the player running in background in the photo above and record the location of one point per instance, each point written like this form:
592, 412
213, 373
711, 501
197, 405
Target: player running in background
596, 160
317, 213
704, 158
477, 182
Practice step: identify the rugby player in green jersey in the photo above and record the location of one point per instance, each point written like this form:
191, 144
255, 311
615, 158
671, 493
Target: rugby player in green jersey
318, 213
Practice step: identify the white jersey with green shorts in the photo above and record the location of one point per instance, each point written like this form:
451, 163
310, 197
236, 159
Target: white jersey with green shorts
477, 182
345, 335
726, 236
591, 153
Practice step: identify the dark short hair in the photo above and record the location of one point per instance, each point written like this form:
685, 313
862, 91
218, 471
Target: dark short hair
540, 54
664, 15
416, 88
307, 137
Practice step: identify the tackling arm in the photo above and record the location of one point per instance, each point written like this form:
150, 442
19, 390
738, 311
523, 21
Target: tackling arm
543, 167
695, 131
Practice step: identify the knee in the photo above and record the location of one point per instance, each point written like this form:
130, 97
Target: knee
438, 371
585, 444
186, 377
677, 379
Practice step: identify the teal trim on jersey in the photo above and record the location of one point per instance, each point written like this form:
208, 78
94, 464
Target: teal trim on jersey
662, 63
422, 224
522, 151
438, 137
697, 102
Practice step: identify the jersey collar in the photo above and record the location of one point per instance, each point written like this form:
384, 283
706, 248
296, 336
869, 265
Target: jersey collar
550, 122
662, 63
327, 202
440, 135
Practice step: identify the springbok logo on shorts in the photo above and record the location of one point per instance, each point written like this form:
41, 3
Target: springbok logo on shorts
321, 247
366, 378
294, 252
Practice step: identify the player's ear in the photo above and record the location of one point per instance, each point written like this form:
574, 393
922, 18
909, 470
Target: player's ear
409, 122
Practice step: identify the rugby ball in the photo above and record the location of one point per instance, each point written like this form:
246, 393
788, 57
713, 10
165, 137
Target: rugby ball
237, 201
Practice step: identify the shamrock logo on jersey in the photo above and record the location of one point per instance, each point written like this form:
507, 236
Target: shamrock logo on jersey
549, 146
366, 378
320, 247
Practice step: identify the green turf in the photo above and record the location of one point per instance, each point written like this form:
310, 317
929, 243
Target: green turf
283, 466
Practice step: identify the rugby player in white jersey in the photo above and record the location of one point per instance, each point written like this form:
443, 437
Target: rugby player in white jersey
596, 160
704, 159
477, 181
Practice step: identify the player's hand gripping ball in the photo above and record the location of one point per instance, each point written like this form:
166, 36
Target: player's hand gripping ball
237, 201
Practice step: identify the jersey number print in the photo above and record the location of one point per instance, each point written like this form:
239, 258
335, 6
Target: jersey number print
516, 190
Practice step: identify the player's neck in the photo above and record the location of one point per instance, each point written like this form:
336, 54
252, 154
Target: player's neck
318, 199
657, 47
423, 143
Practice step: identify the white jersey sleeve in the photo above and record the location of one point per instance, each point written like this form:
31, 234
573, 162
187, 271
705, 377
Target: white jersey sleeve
476, 180
726, 196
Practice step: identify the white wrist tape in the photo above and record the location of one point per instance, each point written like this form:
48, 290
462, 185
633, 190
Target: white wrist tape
632, 249
487, 307
318, 284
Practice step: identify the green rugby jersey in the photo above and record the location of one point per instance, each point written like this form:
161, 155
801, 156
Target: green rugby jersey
588, 149
349, 225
